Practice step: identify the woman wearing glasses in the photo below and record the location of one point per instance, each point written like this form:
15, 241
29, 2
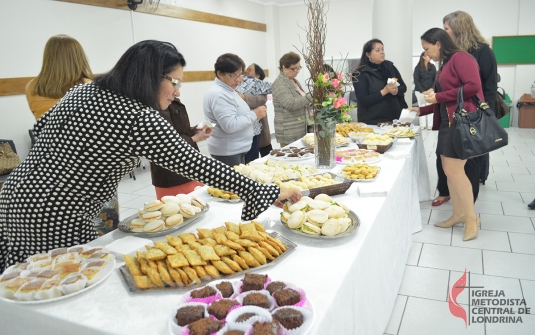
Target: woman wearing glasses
290, 101
378, 100
233, 132
95, 136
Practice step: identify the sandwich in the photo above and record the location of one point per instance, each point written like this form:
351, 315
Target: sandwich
309, 228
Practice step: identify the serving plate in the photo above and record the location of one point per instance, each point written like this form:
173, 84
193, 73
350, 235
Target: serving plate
63, 297
225, 200
124, 225
290, 246
362, 180
355, 224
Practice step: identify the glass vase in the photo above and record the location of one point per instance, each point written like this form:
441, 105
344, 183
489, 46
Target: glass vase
324, 145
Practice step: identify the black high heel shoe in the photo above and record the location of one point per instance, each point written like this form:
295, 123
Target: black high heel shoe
481, 181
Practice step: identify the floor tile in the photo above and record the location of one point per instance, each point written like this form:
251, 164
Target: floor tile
486, 239
527, 197
488, 207
498, 161
438, 215
511, 169
518, 209
531, 170
524, 178
509, 265
433, 235
510, 286
425, 283
147, 191
414, 253
490, 185
500, 176
507, 223
425, 317
514, 187
528, 289
451, 258
130, 187
397, 313
518, 163
499, 196
522, 243
137, 202
426, 213
126, 197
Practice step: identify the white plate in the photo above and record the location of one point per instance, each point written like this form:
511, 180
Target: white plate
34, 302
371, 161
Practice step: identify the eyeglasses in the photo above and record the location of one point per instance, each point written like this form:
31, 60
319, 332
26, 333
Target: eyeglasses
176, 82
296, 69
236, 76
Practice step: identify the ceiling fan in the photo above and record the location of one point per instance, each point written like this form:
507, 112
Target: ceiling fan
150, 6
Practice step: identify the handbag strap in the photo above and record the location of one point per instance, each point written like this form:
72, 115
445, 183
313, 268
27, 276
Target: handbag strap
460, 100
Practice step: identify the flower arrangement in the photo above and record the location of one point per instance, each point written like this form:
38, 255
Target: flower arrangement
334, 107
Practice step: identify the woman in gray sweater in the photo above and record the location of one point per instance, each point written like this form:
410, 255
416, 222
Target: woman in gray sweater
233, 131
290, 101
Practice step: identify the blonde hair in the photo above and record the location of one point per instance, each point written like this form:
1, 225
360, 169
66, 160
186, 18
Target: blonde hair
467, 36
64, 66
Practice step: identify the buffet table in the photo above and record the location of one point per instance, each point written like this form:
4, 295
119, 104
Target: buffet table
352, 282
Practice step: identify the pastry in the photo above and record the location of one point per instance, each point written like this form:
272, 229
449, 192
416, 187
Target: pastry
244, 317
253, 282
225, 288
151, 216
189, 314
174, 220
205, 326
169, 209
286, 297
266, 328
221, 307
204, 292
289, 318
275, 286
170, 199
256, 299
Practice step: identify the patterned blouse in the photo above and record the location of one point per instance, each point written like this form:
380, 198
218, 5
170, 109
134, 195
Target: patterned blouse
85, 145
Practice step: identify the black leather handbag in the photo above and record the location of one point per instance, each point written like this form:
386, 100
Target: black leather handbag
476, 133
501, 106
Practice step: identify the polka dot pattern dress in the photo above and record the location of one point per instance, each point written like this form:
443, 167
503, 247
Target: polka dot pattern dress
85, 145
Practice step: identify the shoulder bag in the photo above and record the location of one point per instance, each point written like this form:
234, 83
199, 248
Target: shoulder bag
501, 106
476, 133
8, 158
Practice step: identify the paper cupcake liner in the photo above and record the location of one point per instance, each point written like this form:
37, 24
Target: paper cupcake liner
307, 319
282, 331
302, 296
262, 315
240, 326
271, 300
74, 287
53, 292
18, 267
174, 328
236, 285
74, 248
37, 257
27, 296
230, 310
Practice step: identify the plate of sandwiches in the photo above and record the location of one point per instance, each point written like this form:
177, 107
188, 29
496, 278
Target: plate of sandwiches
165, 216
191, 260
320, 218
56, 275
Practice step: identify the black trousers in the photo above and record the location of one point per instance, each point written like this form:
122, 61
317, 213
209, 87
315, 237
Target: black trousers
472, 170
253, 153
264, 151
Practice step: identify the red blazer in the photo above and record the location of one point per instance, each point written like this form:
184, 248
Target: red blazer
461, 69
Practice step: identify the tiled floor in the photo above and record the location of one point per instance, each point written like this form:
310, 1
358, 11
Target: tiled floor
501, 258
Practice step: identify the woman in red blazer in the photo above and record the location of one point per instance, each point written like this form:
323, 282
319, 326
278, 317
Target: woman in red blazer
456, 68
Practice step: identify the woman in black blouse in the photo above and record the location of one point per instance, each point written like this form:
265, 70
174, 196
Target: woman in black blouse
87, 142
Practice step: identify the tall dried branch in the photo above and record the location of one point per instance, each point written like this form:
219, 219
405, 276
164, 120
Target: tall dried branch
313, 50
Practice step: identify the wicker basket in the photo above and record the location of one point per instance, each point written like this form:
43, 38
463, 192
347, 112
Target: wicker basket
335, 189
379, 148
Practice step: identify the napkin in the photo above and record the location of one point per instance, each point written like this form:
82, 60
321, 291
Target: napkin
392, 80
127, 245
372, 190
397, 154
407, 115
403, 141
205, 123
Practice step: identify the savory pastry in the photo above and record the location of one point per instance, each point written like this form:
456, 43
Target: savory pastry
165, 247
155, 254
133, 265
231, 264
207, 253
177, 260
258, 255
223, 267
193, 257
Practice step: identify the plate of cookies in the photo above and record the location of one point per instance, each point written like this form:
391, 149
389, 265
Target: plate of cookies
254, 304
223, 196
360, 172
192, 260
56, 275
165, 216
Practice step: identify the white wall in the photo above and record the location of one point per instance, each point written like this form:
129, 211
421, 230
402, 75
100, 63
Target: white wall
105, 34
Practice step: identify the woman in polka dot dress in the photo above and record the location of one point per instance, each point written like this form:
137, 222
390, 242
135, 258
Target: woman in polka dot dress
94, 136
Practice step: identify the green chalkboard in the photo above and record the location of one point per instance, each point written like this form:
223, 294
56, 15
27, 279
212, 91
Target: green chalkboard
519, 49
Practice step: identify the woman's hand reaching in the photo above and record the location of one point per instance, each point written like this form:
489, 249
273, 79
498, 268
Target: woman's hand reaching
292, 195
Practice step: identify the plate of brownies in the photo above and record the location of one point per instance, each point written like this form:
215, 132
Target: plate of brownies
254, 304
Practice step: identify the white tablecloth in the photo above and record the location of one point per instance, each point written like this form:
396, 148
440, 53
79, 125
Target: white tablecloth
352, 282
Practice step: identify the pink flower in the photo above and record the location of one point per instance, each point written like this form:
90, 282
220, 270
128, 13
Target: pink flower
335, 83
331, 95
326, 78
339, 102
339, 75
